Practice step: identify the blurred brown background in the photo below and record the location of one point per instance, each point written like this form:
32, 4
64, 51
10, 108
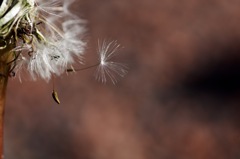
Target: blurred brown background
180, 99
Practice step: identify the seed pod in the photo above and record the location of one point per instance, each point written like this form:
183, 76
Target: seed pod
70, 70
55, 97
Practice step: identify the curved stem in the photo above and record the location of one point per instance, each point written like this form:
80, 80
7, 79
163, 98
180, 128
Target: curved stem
6, 55
3, 87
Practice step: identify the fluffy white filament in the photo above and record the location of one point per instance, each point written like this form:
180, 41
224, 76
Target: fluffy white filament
108, 68
59, 42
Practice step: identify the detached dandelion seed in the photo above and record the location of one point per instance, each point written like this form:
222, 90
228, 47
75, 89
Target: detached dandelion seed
55, 96
108, 68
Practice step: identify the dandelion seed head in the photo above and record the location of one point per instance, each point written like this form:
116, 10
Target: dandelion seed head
48, 36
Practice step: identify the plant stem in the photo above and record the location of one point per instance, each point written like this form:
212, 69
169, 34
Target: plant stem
3, 86
6, 55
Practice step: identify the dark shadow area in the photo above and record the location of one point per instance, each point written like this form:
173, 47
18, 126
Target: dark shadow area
217, 78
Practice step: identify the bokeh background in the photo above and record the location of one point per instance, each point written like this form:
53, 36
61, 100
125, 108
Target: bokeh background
180, 99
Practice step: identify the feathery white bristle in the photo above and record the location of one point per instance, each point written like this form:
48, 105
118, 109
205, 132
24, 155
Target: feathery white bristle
61, 42
108, 68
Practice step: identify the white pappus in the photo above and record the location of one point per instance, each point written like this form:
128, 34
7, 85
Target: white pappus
108, 68
49, 40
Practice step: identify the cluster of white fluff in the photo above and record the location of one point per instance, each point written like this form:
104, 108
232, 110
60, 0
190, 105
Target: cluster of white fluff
59, 53
55, 38
63, 32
